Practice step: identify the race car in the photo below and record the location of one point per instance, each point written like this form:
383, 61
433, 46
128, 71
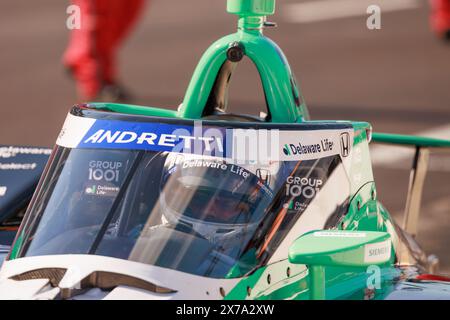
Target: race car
139, 202
20, 169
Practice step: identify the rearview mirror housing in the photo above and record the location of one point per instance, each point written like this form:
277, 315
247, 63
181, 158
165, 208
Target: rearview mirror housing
318, 249
341, 248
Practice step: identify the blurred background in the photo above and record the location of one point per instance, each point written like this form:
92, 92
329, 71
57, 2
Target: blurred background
397, 78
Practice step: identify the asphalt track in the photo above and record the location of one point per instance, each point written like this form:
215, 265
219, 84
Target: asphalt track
397, 78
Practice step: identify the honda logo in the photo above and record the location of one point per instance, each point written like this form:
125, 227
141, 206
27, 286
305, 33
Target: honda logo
345, 144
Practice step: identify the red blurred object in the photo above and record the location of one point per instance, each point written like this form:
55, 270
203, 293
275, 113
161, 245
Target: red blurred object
432, 277
92, 51
440, 17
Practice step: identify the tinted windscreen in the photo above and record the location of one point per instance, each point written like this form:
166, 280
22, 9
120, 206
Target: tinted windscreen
76, 198
205, 215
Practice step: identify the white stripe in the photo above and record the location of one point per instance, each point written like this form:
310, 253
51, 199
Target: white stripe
267, 145
396, 157
328, 234
73, 130
333, 9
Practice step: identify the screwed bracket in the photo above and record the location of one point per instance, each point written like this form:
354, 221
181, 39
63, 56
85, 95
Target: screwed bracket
235, 52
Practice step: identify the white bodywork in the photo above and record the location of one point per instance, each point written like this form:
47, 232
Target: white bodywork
184, 286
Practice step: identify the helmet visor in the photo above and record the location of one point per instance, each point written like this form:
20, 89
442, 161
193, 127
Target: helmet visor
225, 193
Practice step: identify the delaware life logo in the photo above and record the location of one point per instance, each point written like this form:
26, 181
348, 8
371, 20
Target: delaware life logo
325, 145
102, 190
91, 190
286, 150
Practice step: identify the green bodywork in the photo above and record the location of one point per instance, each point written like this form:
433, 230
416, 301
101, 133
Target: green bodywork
318, 249
286, 105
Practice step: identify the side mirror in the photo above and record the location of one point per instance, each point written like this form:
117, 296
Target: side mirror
318, 249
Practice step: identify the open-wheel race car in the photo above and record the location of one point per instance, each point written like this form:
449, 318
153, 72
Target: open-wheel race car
138, 202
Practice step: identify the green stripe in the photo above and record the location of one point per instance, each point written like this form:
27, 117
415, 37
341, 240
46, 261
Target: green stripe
409, 140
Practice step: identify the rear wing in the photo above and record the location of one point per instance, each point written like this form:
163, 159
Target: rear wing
409, 140
418, 171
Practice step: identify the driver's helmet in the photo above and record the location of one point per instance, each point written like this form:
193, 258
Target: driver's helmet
217, 199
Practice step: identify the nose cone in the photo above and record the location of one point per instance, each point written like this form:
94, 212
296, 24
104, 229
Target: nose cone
251, 7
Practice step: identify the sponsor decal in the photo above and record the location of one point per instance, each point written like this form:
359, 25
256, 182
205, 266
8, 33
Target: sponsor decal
18, 166
259, 145
152, 136
286, 150
80, 132
301, 189
294, 149
339, 234
312, 144
154, 140
102, 190
108, 171
3, 190
222, 166
11, 151
377, 252
204, 163
104, 177
345, 144
187, 162
91, 190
